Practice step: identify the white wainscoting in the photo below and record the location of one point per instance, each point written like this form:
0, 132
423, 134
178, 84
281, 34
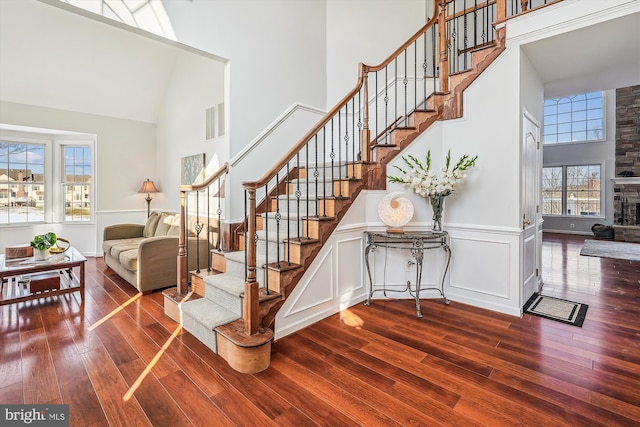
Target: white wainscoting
485, 268
334, 282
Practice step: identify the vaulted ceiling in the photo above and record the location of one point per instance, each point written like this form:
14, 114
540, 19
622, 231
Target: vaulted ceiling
53, 58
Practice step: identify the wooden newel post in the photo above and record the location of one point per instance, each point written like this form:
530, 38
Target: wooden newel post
251, 294
501, 14
182, 254
365, 135
443, 46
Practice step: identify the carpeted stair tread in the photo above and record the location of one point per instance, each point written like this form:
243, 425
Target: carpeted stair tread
208, 313
229, 283
238, 256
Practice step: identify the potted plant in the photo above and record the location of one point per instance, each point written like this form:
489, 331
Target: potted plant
41, 243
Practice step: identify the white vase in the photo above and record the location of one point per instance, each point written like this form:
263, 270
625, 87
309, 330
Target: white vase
42, 255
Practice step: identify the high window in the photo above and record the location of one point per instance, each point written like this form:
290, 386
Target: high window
577, 118
572, 190
45, 180
149, 15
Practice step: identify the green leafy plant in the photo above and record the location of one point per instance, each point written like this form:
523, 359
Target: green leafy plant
44, 241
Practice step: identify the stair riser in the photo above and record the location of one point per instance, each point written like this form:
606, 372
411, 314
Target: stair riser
285, 226
230, 302
291, 206
309, 187
238, 269
207, 337
338, 171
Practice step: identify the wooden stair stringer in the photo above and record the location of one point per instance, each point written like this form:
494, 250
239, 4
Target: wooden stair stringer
290, 278
445, 106
481, 59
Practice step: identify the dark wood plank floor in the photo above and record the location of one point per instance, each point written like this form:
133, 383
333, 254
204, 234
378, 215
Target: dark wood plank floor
117, 360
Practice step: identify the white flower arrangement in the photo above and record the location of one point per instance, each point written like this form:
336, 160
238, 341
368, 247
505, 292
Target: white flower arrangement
427, 183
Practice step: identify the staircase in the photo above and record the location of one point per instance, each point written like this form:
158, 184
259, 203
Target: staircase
292, 211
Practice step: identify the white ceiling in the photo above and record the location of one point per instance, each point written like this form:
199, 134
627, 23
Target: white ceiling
53, 58
597, 57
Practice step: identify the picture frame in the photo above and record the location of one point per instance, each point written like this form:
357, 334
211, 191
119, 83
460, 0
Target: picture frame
192, 169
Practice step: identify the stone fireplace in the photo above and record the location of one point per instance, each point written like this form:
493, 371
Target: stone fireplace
627, 173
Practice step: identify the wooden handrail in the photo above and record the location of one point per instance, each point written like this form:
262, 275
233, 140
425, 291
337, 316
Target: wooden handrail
408, 43
197, 187
363, 71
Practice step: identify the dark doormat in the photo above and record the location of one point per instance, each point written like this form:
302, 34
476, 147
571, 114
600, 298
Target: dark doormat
572, 313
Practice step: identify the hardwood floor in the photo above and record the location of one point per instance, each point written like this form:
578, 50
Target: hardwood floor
370, 366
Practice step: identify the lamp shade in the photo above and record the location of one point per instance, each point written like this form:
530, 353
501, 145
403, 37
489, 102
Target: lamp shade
148, 187
395, 211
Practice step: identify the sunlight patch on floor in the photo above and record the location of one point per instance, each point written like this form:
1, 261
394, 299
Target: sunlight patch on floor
115, 311
150, 366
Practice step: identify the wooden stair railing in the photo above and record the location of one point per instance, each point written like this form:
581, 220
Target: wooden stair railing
217, 177
310, 189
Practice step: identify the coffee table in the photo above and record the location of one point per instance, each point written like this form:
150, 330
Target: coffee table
15, 272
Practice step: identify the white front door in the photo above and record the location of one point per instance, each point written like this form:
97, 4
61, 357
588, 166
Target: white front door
531, 227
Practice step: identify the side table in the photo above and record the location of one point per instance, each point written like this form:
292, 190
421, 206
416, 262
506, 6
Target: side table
416, 243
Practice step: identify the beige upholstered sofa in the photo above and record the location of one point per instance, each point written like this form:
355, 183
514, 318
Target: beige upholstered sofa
146, 255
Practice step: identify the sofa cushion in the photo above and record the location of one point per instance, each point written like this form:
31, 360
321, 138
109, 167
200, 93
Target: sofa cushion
151, 225
164, 223
109, 245
129, 259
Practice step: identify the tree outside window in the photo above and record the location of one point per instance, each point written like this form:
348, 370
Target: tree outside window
571, 190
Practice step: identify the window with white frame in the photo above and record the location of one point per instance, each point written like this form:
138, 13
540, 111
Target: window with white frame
572, 190
45, 180
22, 186
577, 118
76, 182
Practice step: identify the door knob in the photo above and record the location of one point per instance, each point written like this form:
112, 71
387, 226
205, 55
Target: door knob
526, 222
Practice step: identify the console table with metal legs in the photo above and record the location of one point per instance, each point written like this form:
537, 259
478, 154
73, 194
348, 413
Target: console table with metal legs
416, 243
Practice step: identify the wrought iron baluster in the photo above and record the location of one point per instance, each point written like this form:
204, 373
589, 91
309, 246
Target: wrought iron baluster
306, 151
339, 150
353, 135
361, 143
405, 81
288, 217
395, 92
435, 66
277, 218
423, 101
265, 268
298, 194
346, 140
324, 170
219, 212
316, 174
333, 156
375, 97
475, 24
465, 41
415, 75
386, 104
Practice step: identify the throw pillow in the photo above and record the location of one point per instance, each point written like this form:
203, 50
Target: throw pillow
151, 225
164, 223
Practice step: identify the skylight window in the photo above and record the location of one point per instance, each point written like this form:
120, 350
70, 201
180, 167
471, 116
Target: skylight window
148, 15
